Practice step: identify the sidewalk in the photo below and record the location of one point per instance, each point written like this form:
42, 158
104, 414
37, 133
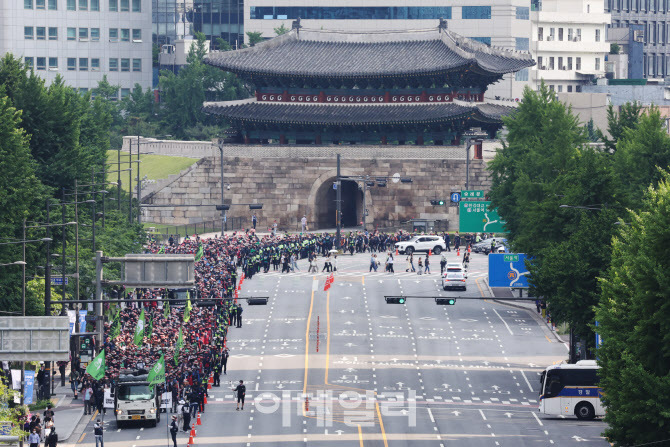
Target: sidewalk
67, 411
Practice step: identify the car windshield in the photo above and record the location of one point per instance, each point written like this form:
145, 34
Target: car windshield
455, 276
135, 392
454, 269
414, 239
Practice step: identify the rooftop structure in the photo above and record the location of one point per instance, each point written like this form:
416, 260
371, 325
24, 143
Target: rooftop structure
392, 86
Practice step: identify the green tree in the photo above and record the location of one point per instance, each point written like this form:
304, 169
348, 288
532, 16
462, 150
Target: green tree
155, 51
617, 123
254, 37
634, 322
591, 131
222, 45
614, 48
14, 415
281, 30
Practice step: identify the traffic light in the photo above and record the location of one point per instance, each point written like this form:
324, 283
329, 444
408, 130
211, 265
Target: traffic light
445, 301
437, 202
395, 300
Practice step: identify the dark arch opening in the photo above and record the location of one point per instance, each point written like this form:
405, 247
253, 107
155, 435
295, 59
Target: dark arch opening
326, 207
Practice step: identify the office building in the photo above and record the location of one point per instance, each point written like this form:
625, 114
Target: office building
568, 43
82, 40
648, 22
499, 23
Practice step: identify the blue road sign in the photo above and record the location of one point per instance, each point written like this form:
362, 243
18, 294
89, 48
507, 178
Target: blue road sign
58, 281
455, 197
508, 270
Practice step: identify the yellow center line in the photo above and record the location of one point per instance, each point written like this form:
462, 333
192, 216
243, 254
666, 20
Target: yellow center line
360, 436
381, 424
547, 339
82, 438
309, 322
481, 292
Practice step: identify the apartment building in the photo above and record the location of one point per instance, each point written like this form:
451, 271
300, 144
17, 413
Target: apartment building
81, 40
568, 43
500, 23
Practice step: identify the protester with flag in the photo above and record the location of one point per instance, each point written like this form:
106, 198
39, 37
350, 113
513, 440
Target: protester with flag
139, 330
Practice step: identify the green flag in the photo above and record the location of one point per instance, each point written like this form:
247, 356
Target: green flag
139, 330
150, 326
166, 309
157, 373
187, 309
199, 253
97, 367
178, 347
161, 251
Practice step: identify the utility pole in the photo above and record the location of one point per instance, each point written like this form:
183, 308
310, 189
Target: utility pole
365, 209
47, 292
64, 230
139, 184
338, 200
98, 296
118, 179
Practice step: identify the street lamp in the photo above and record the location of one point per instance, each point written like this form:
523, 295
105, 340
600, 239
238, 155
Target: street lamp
587, 207
139, 183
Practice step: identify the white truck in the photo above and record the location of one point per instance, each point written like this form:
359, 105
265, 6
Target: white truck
134, 400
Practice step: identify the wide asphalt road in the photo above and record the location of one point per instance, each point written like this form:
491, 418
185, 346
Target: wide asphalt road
343, 368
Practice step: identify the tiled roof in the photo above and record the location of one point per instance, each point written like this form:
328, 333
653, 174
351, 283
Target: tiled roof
318, 53
354, 115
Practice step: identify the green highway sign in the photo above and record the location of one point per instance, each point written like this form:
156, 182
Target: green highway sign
511, 258
475, 217
472, 194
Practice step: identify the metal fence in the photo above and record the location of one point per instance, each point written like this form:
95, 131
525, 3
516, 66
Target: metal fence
213, 226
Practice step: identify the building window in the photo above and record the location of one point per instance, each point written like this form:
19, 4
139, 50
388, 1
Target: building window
476, 12
540, 34
484, 40
125, 64
41, 63
28, 32
83, 64
72, 34
137, 5
551, 63
560, 34
83, 90
83, 5
27, 4
137, 35
114, 5
560, 89
597, 63
552, 34
350, 13
71, 5
53, 5
597, 35
29, 61
95, 64
522, 13
569, 89
570, 35
125, 92
83, 34
113, 34
114, 64
578, 88
53, 63
137, 64
552, 87
125, 5
53, 33
579, 35
95, 34
569, 63
560, 63
40, 4
521, 75
539, 63
522, 44
578, 63
40, 33
125, 35
71, 64
95, 5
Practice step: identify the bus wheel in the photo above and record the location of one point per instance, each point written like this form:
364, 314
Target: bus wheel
585, 411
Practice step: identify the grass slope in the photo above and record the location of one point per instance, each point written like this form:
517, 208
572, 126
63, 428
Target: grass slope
155, 167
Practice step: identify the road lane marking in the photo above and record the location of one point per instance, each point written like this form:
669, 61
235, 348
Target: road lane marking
482, 413
526, 378
381, 424
360, 436
82, 438
537, 419
309, 322
430, 414
328, 336
504, 322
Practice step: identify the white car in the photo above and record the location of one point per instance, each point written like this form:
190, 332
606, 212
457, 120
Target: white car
454, 281
422, 243
456, 267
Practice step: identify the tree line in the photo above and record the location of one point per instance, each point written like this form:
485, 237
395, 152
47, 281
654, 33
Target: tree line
603, 256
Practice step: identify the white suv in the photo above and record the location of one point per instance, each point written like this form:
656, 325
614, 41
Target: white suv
422, 243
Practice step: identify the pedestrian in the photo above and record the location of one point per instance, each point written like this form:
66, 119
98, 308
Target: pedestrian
174, 429
335, 263
294, 263
239, 315
186, 414
224, 360
373, 263
390, 263
98, 432
74, 381
254, 219
52, 439
34, 439
241, 390
41, 381
420, 271
61, 369
217, 375
443, 263
179, 413
427, 264
88, 400
457, 242
466, 259
274, 228
303, 223
447, 241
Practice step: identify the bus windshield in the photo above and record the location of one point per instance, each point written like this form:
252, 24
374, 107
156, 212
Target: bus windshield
135, 392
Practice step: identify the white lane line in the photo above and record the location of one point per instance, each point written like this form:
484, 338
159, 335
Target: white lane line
430, 413
504, 322
537, 419
315, 285
257, 386
526, 378
482, 413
